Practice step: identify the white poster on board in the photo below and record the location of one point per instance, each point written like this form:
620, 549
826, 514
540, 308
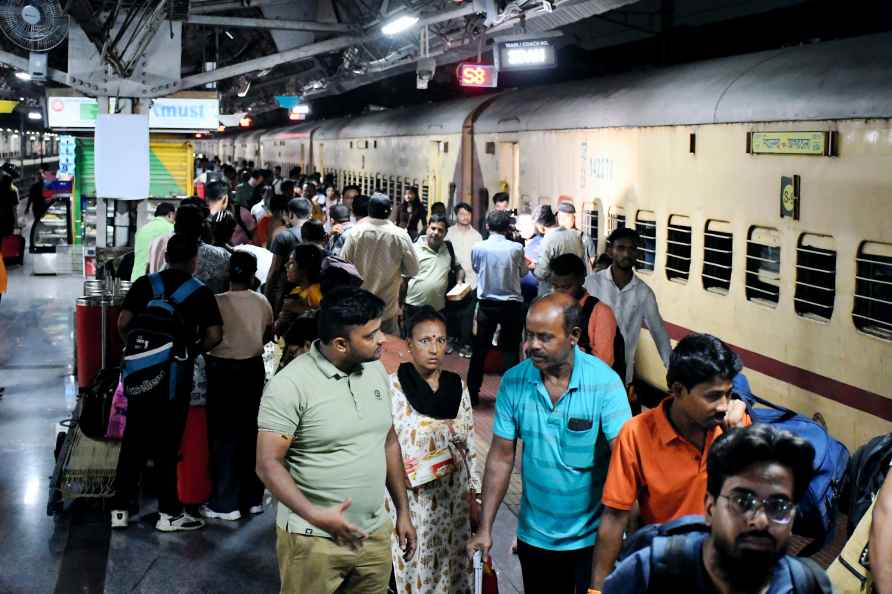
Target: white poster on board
122, 156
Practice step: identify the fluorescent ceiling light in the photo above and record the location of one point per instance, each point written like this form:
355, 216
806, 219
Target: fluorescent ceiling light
399, 24
34, 115
22, 75
229, 35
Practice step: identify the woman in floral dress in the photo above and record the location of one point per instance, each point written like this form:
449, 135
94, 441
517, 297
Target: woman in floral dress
434, 422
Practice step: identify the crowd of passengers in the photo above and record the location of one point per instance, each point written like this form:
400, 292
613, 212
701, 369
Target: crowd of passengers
379, 477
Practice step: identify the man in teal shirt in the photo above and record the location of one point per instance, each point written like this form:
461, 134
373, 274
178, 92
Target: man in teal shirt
567, 407
160, 226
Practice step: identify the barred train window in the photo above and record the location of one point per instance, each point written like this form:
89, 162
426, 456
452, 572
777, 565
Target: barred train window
678, 249
873, 289
646, 225
425, 195
815, 277
591, 220
763, 254
617, 218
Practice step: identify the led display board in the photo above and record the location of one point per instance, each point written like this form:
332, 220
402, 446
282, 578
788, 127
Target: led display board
478, 75
526, 54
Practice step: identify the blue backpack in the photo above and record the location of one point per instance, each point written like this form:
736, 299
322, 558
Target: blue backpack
157, 342
672, 553
816, 513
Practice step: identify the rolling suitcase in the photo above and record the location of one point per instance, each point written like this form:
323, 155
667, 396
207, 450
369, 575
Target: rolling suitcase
13, 247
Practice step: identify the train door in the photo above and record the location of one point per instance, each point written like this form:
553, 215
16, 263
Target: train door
509, 171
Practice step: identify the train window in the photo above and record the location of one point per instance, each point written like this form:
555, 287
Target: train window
375, 144
763, 254
815, 277
445, 147
717, 257
490, 148
591, 221
646, 225
617, 218
678, 249
873, 289
351, 144
425, 195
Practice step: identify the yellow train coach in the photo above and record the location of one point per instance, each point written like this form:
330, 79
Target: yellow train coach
761, 184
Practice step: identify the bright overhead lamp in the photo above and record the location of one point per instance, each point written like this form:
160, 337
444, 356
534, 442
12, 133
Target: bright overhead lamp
229, 35
34, 115
22, 75
399, 24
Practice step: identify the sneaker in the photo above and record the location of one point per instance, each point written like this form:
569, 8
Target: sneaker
169, 523
119, 518
232, 516
255, 509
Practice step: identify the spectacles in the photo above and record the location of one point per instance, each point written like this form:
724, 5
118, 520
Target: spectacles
779, 510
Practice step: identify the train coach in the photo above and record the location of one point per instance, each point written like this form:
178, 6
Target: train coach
760, 184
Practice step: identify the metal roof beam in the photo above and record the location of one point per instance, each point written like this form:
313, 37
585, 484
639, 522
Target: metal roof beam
211, 7
235, 22
296, 54
52, 74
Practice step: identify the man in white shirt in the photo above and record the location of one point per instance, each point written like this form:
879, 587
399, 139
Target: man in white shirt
632, 301
460, 314
383, 254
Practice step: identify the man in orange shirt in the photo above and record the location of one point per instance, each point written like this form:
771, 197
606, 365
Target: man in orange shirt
600, 336
659, 457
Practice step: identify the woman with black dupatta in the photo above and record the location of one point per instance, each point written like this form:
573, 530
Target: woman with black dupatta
434, 422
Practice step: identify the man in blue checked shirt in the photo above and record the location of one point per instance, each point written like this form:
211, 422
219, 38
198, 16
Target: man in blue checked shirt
567, 407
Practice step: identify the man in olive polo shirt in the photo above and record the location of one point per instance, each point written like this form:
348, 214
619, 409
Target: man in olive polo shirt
326, 449
429, 285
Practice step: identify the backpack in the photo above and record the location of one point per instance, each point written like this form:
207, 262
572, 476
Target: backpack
866, 473
585, 343
157, 342
850, 571
671, 558
816, 513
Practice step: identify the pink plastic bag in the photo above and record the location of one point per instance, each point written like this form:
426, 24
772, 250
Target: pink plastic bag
117, 418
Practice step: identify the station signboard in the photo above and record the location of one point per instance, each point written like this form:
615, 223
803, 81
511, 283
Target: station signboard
478, 75
166, 114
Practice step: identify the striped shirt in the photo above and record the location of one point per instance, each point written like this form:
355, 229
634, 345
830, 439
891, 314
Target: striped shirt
565, 448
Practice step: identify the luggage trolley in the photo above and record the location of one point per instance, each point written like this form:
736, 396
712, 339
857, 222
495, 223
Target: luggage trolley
86, 467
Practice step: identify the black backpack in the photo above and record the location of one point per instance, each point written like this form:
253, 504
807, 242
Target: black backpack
157, 341
671, 562
866, 472
585, 343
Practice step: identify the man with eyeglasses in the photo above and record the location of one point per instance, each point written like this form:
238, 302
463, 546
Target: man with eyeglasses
659, 458
756, 476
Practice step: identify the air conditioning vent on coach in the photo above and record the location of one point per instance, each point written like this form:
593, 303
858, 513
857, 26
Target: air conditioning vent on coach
815, 277
678, 249
873, 289
763, 255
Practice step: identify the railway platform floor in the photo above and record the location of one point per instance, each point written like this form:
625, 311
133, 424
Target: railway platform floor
77, 551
